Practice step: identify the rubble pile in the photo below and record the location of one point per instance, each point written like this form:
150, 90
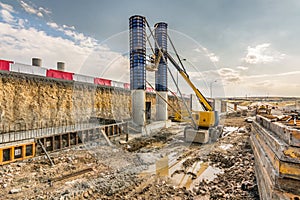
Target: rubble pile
138, 143
156, 188
237, 162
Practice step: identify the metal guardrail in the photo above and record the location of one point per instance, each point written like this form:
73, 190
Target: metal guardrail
41, 132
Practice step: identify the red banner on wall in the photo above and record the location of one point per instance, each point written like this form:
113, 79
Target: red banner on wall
127, 86
149, 89
5, 65
59, 74
102, 81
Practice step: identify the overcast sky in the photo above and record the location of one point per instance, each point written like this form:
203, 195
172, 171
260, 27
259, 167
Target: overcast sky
237, 47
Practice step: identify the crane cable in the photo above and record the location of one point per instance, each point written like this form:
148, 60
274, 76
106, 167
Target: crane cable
160, 51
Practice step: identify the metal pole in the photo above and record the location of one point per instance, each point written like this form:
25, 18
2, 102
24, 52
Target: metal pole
210, 87
177, 80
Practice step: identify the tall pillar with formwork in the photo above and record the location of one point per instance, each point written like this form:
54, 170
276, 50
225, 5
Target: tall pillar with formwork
161, 79
137, 37
36, 62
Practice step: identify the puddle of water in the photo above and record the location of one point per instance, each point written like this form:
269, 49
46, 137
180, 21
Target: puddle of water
210, 173
169, 166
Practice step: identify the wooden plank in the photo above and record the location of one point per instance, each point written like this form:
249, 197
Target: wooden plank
285, 169
282, 150
263, 159
263, 179
281, 195
106, 138
289, 185
295, 137
292, 152
284, 184
44, 149
290, 135
268, 152
278, 128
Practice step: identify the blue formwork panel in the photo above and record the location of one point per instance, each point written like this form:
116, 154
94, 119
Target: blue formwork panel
161, 37
137, 42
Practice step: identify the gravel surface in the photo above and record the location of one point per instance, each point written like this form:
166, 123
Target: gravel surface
118, 171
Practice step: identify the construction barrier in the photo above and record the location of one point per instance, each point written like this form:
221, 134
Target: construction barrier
59, 74
126, 86
149, 89
17, 152
5, 65
52, 73
117, 84
83, 78
28, 69
102, 81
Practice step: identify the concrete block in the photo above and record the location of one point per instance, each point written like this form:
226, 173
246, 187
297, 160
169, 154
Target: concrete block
153, 127
198, 136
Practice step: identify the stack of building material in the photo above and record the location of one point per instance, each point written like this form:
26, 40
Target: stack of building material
276, 150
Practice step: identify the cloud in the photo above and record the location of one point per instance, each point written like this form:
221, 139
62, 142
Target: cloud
284, 74
199, 50
31, 9
242, 68
6, 16
45, 10
264, 83
69, 27
262, 54
6, 13
213, 58
229, 75
78, 37
21, 44
53, 25
7, 7
82, 53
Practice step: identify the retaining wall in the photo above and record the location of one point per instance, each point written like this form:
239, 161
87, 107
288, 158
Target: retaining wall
31, 102
277, 159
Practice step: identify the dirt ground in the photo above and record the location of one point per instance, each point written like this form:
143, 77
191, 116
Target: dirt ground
161, 166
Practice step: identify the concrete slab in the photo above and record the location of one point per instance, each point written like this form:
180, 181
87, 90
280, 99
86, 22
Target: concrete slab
148, 129
155, 127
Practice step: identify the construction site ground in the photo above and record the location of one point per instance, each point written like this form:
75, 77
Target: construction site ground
160, 166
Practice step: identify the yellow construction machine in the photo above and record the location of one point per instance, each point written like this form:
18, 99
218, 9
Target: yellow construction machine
204, 123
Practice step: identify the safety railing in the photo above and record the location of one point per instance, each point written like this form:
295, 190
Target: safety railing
47, 129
